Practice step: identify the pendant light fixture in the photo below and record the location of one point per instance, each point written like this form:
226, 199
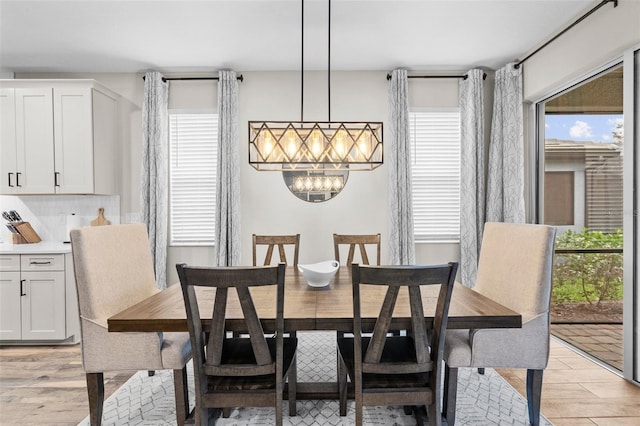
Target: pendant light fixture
318, 145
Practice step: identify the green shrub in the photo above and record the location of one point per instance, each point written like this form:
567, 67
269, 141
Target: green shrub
591, 277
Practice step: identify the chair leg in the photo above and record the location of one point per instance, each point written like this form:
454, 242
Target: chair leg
342, 386
181, 395
151, 373
293, 380
450, 393
534, 394
481, 370
95, 390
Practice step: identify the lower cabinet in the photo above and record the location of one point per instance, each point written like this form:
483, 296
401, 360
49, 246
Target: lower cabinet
37, 298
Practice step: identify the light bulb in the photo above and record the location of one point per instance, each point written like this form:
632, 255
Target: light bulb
267, 143
340, 145
316, 143
291, 143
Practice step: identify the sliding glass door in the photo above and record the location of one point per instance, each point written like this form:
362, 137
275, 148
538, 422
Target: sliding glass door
587, 179
632, 219
581, 193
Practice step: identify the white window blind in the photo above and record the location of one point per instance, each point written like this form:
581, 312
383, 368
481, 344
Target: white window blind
192, 178
435, 174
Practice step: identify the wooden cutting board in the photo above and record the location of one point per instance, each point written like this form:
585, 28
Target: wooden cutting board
100, 220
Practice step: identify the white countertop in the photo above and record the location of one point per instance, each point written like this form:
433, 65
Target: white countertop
37, 248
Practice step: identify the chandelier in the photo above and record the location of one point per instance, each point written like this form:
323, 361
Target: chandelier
321, 145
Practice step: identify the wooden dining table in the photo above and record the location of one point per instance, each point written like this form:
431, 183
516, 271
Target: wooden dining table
312, 308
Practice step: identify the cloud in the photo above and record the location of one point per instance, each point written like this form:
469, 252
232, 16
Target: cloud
580, 130
615, 121
606, 137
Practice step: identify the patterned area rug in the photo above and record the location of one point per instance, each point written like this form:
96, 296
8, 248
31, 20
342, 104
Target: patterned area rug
482, 399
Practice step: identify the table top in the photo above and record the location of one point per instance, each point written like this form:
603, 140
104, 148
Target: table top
310, 308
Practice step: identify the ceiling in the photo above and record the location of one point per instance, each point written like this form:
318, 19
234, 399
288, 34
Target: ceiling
251, 35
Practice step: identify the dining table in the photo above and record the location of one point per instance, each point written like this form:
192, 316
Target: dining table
309, 308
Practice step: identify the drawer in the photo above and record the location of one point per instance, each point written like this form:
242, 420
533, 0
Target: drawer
9, 262
42, 262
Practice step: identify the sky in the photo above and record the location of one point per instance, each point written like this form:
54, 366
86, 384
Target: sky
581, 127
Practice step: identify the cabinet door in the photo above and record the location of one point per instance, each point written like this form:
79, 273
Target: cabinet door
73, 141
7, 141
43, 306
10, 322
34, 136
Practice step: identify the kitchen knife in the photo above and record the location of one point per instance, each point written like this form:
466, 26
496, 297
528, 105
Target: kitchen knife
6, 216
12, 228
14, 214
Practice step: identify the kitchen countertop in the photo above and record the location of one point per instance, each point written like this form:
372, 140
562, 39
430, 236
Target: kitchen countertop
35, 248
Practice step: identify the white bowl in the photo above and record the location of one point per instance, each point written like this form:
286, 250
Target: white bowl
319, 274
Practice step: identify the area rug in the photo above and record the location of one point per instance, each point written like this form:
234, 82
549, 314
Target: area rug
484, 400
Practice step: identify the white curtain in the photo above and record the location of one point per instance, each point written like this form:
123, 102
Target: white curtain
154, 170
227, 239
505, 180
472, 190
398, 157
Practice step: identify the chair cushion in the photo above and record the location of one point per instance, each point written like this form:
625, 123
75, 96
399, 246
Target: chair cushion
105, 351
397, 349
526, 347
239, 351
457, 348
175, 350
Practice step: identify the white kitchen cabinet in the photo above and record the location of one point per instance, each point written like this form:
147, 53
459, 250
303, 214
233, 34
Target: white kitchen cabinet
60, 137
37, 298
27, 166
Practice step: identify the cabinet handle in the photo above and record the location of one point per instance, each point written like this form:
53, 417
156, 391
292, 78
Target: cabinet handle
18, 179
48, 262
22, 293
9, 176
55, 178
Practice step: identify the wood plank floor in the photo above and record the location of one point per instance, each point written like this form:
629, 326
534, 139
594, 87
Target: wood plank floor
578, 392
45, 385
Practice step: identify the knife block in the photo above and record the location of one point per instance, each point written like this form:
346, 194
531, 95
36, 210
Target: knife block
25, 235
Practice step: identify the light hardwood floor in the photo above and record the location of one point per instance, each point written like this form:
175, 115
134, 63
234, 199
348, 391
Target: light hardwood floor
578, 392
45, 385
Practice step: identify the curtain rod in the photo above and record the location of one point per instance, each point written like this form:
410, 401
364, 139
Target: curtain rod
165, 79
580, 19
464, 77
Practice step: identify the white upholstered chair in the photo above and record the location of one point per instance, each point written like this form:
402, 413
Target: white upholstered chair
114, 270
514, 269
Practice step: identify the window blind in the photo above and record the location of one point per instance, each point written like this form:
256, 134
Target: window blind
193, 140
435, 174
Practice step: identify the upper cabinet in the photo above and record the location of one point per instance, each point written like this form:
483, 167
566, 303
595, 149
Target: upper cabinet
57, 137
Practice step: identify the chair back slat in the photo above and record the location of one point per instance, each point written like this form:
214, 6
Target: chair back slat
269, 255
359, 241
256, 333
217, 328
380, 330
418, 328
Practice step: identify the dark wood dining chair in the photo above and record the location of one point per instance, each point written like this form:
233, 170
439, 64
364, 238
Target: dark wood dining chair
238, 372
271, 241
361, 241
397, 370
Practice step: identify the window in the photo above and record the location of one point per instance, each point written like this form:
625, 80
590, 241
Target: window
435, 174
193, 141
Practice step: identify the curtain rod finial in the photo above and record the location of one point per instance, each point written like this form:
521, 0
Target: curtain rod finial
388, 76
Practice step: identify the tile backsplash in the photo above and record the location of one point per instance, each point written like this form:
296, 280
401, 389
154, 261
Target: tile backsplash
48, 214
